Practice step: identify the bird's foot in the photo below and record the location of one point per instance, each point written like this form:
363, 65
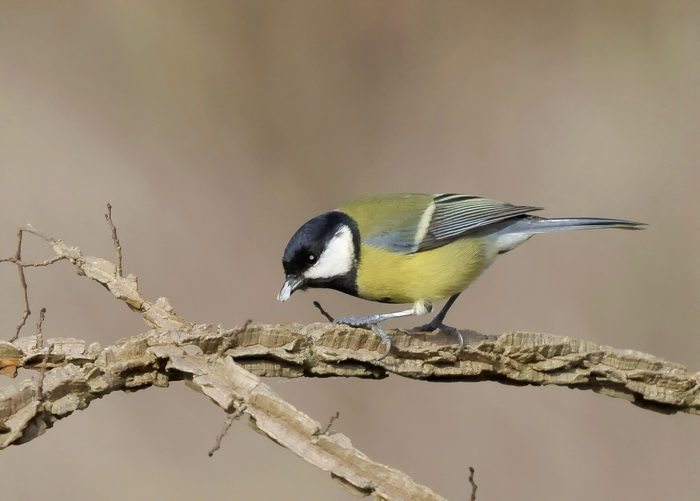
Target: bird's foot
370, 322
367, 321
454, 332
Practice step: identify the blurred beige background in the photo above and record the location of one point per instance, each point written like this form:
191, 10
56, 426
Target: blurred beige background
216, 128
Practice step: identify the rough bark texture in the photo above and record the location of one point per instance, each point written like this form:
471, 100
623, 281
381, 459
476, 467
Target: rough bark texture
227, 366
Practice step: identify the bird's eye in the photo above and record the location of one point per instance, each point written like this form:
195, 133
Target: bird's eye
311, 258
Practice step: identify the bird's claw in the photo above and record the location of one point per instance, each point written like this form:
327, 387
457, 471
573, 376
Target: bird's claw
429, 327
368, 323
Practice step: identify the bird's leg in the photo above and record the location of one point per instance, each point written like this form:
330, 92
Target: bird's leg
437, 321
374, 319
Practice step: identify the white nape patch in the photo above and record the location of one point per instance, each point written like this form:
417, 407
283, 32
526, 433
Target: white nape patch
337, 258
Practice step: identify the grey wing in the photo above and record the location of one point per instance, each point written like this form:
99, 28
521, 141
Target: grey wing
454, 216
398, 234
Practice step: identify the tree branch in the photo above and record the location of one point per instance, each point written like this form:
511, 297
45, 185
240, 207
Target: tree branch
169, 351
226, 366
322, 350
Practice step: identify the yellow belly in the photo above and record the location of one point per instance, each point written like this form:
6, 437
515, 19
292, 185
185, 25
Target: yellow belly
430, 275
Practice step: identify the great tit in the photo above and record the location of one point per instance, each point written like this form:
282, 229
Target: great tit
412, 248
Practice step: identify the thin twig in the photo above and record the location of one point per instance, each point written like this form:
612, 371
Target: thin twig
227, 424
30, 229
40, 384
473, 484
327, 428
323, 312
25, 289
27, 311
39, 331
36, 264
228, 341
21, 265
115, 239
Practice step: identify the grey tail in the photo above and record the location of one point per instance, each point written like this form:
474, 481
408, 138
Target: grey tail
543, 225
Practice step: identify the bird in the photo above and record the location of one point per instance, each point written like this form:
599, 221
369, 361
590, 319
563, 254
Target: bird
413, 248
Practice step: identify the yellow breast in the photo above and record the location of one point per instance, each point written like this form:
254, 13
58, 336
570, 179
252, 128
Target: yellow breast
431, 275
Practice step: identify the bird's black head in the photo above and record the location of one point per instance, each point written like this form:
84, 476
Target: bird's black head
322, 253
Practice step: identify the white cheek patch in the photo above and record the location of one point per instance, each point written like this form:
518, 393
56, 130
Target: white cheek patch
337, 258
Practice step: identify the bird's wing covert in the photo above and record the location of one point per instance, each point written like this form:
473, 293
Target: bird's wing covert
454, 216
